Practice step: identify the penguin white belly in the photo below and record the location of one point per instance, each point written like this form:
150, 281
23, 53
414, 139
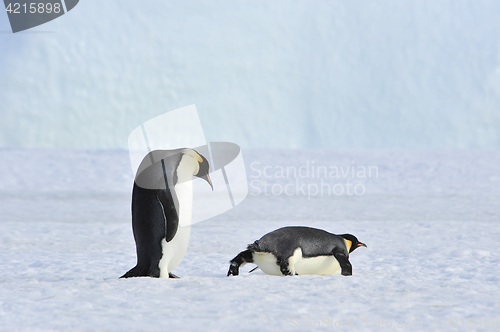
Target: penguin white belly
267, 263
322, 265
174, 251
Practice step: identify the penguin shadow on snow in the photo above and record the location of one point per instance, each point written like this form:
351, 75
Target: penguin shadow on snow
299, 250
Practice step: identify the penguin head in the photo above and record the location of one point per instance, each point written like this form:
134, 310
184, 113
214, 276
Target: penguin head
203, 169
354, 242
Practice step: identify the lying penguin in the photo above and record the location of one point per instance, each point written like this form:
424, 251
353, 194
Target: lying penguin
299, 250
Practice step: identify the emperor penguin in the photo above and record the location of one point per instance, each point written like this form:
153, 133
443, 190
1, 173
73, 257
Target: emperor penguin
297, 250
162, 200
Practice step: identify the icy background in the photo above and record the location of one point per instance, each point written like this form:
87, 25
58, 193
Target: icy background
430, 220
340, 83
301, 74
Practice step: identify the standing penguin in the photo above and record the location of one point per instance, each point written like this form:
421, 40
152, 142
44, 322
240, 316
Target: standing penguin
299, 250
162, 200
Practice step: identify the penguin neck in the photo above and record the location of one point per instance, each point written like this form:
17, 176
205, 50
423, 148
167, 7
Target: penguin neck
188, 166
186, 169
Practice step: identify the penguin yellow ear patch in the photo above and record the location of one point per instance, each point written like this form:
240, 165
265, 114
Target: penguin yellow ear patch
348, 244
200, 159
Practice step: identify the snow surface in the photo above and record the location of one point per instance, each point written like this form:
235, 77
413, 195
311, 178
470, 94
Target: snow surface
294, 74
430, 220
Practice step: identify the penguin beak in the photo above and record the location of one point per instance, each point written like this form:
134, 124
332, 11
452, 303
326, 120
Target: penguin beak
206, 177
362, 245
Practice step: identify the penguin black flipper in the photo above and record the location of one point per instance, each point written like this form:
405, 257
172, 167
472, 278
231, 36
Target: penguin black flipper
241, 259
344, 263
168, 201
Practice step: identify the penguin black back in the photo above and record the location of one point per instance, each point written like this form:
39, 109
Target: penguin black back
313, 242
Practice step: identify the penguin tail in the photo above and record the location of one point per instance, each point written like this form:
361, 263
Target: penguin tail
143, 270
130, 274
254, 247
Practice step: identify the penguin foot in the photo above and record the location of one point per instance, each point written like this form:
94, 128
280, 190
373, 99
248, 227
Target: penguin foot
284, 268
172, 276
